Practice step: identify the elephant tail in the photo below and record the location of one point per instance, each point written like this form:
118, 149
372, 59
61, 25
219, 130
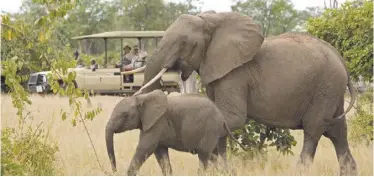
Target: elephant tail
232, 136
353, 93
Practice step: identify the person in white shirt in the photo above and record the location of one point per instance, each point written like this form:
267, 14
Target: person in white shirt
94, 65
134, 56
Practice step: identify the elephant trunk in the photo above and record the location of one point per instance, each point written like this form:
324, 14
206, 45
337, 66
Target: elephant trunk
162, 60
109, 146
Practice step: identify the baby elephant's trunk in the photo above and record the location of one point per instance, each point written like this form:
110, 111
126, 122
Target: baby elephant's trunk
232, 136
109, 146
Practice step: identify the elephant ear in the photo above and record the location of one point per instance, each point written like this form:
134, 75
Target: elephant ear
152, 106
235, 39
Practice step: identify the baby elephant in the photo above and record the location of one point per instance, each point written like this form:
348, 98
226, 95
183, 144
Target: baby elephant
187, 123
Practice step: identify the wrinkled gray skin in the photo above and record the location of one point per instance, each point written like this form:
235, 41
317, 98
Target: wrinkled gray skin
293, 80
187, 123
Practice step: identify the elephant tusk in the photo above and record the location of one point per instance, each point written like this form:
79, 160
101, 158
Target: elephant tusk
134, 71
158, 76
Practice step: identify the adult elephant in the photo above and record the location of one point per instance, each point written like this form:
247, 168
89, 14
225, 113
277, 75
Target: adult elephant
293, 80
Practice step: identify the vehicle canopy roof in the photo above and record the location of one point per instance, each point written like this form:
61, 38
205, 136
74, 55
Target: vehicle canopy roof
123, 34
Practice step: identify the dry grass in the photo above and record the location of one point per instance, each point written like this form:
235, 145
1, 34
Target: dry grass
76, 156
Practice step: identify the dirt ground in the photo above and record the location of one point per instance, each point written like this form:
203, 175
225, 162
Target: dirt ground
76, 157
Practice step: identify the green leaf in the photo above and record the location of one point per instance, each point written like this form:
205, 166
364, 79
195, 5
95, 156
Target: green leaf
74, 122
63, 116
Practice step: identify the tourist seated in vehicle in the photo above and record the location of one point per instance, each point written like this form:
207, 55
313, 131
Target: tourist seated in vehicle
136, 58
94, 65
125, 60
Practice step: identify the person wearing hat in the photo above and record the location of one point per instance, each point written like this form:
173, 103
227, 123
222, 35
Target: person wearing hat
126, 52
126, 49
134, 56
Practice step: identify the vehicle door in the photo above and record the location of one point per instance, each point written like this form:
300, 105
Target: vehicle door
103, 79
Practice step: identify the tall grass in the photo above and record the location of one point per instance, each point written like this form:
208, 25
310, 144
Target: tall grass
75, 155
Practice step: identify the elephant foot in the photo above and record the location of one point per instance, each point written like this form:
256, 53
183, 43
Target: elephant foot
348, 172
130, 173
303, 166
348, 167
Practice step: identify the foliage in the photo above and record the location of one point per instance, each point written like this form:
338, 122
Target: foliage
361, 125
28, 153
38, 38
254, 136
94, 16
37, 51
349, 29
274, 16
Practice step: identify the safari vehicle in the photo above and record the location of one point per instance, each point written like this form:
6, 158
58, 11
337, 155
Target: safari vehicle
109, 80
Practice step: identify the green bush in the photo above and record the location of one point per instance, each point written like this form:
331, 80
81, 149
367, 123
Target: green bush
361, 125
255, 136
27, 153
349, 29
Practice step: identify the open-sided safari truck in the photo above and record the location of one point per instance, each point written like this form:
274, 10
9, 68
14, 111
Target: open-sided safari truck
105, 80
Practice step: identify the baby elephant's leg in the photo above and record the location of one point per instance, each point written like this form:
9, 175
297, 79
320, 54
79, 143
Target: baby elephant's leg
207, 147
203, 158
222, 145
146, 147
141, 155
162, 156
214, 157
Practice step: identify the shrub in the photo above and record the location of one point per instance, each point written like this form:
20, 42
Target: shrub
27, 153
361, 125
255, 137
349, 29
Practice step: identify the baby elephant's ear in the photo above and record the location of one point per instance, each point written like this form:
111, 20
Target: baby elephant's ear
152, 106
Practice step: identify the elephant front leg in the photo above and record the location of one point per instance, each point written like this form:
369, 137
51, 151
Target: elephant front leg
230, 94
146, 147
138, 159
162, 156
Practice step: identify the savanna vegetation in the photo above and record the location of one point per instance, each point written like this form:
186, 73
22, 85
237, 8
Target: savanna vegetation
61, 134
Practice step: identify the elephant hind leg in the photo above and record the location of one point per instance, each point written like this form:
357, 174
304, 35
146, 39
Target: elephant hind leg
338, 136
314, 126
222, 145
309, 149
214, 157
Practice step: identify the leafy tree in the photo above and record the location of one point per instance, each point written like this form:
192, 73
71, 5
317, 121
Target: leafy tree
274, 16
27, 42
349, 28
361, 125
